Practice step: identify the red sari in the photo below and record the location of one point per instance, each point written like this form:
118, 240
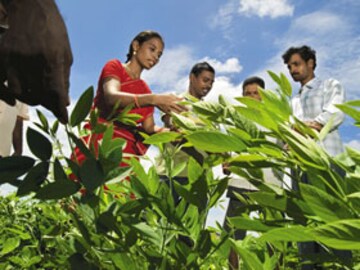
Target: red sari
114, 69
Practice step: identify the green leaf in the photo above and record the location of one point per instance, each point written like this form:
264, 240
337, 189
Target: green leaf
14, 166
34, 179
208, 109
215, 142
57, 190
105, 222
247, 224
178, 168
55, 127
194, 170
326, 129
204, 243
91, 174
251, 161
138, 187
183, 122
355, 114
59, 173
243, 125
355, 195
39, 145
10, 245
275, 77
256, 114
148, 233
285, 85
139, 170
355, 103
77, 261
163, 137
123, 260
81, 145
221, 186
276, 106
250, 260
82, 107
44, 122
326, 207
289, 234
342, 234
353, 154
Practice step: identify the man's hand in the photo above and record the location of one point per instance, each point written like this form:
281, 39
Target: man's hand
314, 125
35, 55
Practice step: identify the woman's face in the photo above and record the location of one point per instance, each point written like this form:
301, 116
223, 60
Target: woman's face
149, 52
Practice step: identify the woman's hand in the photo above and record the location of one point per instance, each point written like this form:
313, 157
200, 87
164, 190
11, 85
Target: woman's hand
169, 103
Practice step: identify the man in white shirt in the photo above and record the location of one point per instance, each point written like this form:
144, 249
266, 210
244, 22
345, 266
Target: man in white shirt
314, 104
11, 127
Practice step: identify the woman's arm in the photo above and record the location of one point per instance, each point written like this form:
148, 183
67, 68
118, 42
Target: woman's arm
150, 127
165, 102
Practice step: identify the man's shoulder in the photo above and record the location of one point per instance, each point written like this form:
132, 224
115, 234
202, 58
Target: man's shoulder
326, 84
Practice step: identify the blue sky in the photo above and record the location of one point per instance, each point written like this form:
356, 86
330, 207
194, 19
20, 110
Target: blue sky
239, 37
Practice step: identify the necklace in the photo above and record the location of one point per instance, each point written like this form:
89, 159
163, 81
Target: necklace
132, 74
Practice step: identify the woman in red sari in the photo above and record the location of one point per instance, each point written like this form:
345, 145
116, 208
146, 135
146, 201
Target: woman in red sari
120, 84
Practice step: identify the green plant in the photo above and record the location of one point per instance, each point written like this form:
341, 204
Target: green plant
118, 224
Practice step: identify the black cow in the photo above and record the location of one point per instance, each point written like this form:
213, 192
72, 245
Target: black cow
35, 55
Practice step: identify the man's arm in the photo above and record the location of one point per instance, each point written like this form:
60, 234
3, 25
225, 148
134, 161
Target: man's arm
18, 137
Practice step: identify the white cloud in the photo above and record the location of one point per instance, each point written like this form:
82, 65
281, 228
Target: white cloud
224, 86
231, 65
261, 8
265, 8
169, 73
322, 23
355, 144
225, 15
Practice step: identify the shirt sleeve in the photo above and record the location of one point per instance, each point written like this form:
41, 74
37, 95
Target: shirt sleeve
114, 69
334, 94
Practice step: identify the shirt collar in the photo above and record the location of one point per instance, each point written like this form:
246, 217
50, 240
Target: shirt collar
312, 84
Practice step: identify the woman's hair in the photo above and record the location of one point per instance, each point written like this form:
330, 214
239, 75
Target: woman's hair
141, 38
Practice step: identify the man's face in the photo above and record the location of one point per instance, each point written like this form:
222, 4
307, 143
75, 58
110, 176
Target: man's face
201, 85
252, 90
300, 70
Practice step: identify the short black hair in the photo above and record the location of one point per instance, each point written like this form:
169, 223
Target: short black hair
260, 82
200, 67
305, 52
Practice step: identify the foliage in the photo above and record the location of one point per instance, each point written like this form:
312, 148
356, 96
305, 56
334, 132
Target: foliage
99, 220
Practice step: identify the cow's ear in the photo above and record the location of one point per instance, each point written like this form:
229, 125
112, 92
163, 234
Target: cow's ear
3, 18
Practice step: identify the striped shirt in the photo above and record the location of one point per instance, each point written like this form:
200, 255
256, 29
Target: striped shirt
316, 101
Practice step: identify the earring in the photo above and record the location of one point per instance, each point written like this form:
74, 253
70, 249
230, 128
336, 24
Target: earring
134, 53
